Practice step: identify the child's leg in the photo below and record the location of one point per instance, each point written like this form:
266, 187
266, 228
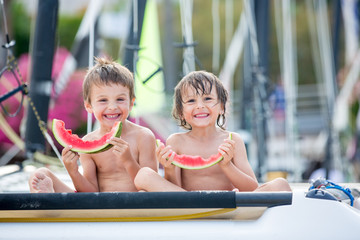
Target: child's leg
150, 181
278, 184
44, 181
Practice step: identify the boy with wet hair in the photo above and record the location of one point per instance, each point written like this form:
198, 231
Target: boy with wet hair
199, 106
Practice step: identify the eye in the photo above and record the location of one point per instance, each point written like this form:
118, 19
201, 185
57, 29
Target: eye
208, 98
190, 101
120, 99
102, 100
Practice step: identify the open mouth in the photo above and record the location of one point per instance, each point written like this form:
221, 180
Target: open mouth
201, 115
112, 116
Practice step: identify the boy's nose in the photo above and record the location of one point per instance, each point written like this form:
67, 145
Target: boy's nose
200, 104
112, 105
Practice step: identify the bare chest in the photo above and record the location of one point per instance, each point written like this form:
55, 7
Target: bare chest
107, 162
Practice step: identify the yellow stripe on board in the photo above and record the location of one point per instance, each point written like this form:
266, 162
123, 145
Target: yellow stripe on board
123, 219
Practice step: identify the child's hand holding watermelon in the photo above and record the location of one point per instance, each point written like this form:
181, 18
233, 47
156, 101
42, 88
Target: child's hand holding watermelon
70, 159
122, 150
227, 151
164, 155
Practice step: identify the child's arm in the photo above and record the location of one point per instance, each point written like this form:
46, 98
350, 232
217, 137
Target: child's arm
146, 148
122, 151
165, 156
236, 165
82, 183
146, 152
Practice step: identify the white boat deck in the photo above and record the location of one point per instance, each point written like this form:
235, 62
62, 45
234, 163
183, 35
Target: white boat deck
304, 219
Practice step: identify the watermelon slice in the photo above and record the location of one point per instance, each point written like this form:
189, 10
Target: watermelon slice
66, 138
195, 162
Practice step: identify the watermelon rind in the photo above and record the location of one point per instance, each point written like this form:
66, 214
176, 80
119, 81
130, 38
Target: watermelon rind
76, 145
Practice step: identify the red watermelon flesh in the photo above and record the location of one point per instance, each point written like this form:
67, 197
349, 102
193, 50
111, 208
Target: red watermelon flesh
196, 162
66, 138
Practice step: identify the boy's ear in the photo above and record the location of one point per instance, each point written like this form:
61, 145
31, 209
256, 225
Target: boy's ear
88, 107
132, 103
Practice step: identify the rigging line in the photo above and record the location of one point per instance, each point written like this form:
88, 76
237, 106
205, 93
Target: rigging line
234, 52
136, 44
290, 83
279, 32
8, 86
135, 34
186, 8
316, 55
18, 142
159, 69
5, 22
216, 35
252, 30
146, 79
92, 6
260, 78
325, 51
229, 24
41, 123
21, 88
341, 108
329, 78
11, 65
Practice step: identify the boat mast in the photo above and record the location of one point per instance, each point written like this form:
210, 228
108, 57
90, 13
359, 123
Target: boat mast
134, 34
332, 151
41, 82
255, 74
287, 51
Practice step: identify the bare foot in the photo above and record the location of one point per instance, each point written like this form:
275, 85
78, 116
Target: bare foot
41, 184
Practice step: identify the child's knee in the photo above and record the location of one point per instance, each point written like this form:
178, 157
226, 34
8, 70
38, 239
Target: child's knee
143, 176
43, 170
282, 184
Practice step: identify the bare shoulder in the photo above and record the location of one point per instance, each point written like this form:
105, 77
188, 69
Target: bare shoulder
236, 137
175, 138
141, 132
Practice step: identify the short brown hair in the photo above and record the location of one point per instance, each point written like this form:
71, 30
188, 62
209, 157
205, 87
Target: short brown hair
202, 82
106, 72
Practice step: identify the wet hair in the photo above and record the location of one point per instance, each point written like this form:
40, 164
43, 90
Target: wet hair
106, 72
202, 82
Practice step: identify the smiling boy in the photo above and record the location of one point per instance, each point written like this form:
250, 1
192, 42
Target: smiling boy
200, 101
108, 92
